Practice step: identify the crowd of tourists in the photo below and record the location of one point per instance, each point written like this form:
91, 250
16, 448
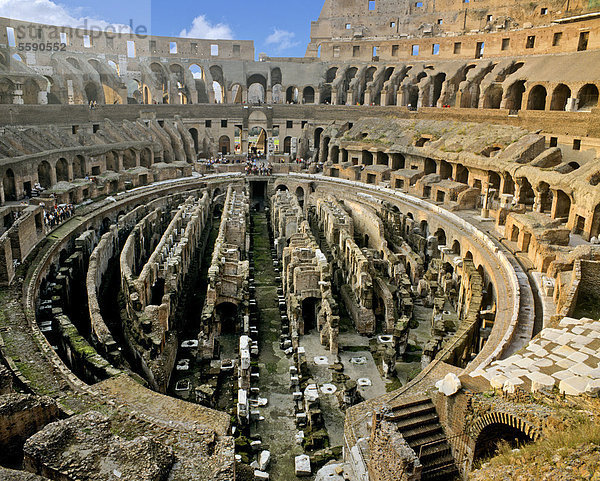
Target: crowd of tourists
57, 214
254, 167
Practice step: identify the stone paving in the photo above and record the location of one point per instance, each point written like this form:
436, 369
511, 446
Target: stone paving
567, 357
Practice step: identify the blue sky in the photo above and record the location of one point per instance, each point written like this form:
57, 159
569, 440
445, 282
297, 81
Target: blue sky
279, 28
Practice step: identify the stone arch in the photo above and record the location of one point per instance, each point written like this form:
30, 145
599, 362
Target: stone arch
330, 75
537, 98
560, 95
308, 95
514, 95
398, 161
317, 137
224, 145
437, 85
441, 236
6, 91
462, 174
587, 97
44, 174
563, 205
91, 92
31, 92
256, 94
161, 79
456, 247
287, 145
300, 196
493, 97
292, 95
79, 168
237, 94
251, 84
496, 426
194, 133
9, 185
277, 93
112, 161
129, 159
445, 169
282, 188
276, 76
146, 157
62, 170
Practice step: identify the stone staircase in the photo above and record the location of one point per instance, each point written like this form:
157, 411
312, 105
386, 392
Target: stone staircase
418, 423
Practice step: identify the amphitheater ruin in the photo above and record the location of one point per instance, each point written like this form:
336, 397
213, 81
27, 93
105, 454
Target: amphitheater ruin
378, 262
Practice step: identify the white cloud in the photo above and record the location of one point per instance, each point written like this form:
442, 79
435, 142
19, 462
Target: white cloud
282, 39
50, 13
202, 28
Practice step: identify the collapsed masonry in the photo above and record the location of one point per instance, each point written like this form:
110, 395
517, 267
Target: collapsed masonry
306, 274
153, 270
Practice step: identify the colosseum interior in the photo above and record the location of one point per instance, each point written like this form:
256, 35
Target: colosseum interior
380, 261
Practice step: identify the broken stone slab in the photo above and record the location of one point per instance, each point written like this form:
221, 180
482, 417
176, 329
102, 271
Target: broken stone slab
593, 388
264, 460
540, 381
450, 385
573, 386
302, 465
258, 474
511, 384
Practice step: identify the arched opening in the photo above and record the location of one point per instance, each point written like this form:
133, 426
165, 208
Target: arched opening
129, 160
587, 97
509, 184
197, 72
559, 97
326, 141
493, 97
514, 234
146, 158
494, 180
515, 93
112, 161
441, 237
224, 145
330, 75
456, 248
438, 83
491, 437
563, 205
227, 317
291, 95
445, 169
257, 86
424, 228
8, 182
194, 133
62, 170
281, 188
91, 92
257, 140
79, 171
335, 154
430, 167
309, 313
44, 176
237, 92
256, 94
367, 157
317, 137
537, 98
308, 95
277, 93
413, 97
526, 194
398, 161
300, 196
462, 174
218, 92
287, 145
30, 92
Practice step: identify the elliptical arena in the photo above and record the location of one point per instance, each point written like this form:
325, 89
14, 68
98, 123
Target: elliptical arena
406, 280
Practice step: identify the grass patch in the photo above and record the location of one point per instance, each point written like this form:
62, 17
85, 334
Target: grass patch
392, 386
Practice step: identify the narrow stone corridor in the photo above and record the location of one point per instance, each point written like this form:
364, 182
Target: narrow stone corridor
278, 429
